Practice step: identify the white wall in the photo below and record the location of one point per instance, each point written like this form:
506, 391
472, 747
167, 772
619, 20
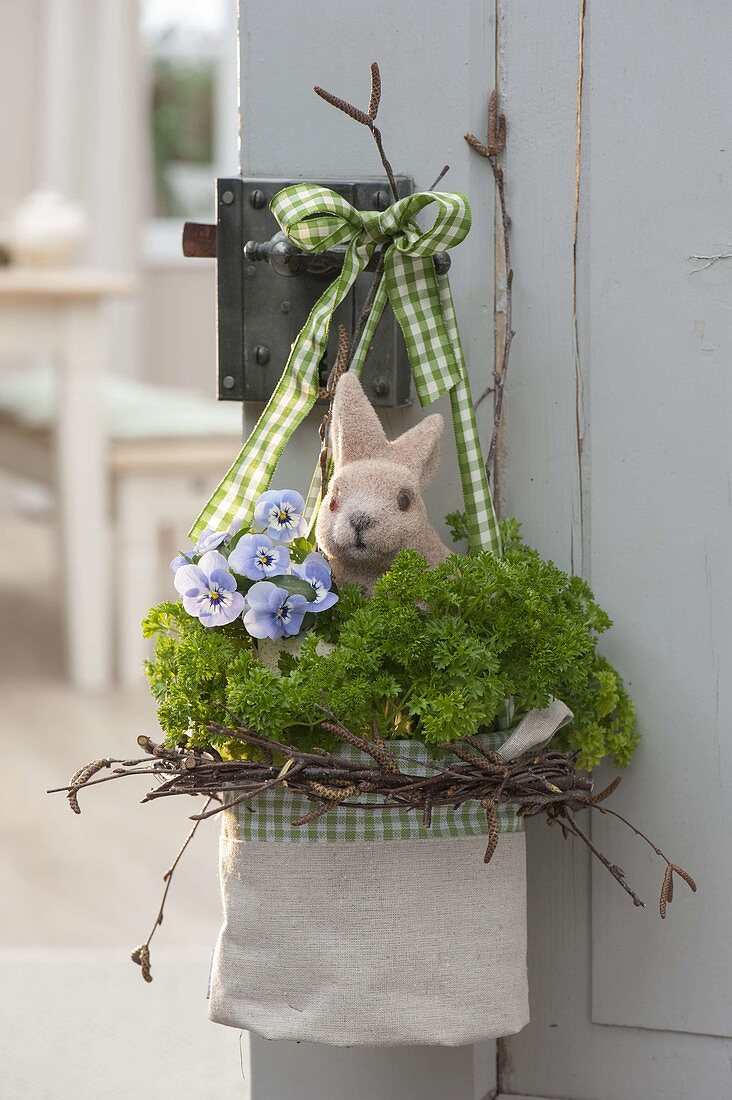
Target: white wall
19, 59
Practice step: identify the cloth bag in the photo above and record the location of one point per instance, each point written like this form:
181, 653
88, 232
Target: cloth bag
363, 928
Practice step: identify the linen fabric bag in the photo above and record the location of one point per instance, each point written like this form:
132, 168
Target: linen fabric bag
364, 928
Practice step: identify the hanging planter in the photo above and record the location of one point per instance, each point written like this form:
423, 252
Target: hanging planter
372, 714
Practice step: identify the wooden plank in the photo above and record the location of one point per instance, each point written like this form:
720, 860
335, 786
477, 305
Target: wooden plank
563, 1053
539, 464
659, 343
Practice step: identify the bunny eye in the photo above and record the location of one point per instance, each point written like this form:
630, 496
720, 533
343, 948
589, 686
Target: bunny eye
333, 503
404, 500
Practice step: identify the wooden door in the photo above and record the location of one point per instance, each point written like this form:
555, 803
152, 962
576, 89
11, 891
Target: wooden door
616, 459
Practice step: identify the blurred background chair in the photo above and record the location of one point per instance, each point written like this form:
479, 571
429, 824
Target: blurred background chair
161, 451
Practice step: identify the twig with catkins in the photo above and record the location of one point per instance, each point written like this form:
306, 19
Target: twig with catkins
141, 954
503, 333
328, 393
667, 888
366, 118
548, 783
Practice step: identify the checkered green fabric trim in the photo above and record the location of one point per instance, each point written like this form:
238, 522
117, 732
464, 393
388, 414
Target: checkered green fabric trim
271, 815
315, 218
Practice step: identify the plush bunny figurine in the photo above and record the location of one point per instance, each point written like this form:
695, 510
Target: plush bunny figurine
374, 507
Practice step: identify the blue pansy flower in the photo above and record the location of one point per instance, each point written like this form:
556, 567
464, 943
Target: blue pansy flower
280, 511
316, 571
210, 540
209, 590
179, 561
272, 612
257, 557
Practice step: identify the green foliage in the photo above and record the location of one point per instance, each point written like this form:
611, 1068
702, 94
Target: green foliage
182, 103
433, 654
457, 523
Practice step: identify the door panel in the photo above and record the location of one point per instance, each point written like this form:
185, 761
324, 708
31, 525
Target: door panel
659, 350
656, 528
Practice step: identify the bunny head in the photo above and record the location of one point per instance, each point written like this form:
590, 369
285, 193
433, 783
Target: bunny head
374, 507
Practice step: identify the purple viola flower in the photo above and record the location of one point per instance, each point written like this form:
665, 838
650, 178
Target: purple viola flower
179, 561
257, 557
209, 590
280, 511
210, 540
316, 571
272, 612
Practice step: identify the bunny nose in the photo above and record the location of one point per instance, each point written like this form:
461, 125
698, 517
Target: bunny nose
360, 522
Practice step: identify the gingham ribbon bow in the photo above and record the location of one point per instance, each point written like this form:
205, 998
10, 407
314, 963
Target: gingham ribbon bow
315, 219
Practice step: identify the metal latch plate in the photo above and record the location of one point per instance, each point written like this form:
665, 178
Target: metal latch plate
260, 312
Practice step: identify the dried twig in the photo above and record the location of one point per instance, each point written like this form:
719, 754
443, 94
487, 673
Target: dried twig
667, 887
548, 783
375, 98
569, 821
493, 833
141, 954
503, 331
439, 177
366, 118
340, 365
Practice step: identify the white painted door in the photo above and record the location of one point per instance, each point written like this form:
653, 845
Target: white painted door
617, 460
623, 1006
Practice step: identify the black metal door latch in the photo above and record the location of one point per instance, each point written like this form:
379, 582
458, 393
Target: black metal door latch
266, 287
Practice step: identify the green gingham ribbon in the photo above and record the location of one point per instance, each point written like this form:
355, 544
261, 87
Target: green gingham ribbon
315, 219
268, 818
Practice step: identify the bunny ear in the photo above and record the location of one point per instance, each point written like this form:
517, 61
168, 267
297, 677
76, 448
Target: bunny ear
419, 448
356, 429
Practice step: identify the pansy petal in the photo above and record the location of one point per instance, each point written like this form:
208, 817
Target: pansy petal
294, 499
327, 600
315, 567
209, 540
259, 625
282, 557
188, 577
212, 560
263, 505
294, 623
223, 580
260, 595
225, 611
192, 604
243, 558
241, 553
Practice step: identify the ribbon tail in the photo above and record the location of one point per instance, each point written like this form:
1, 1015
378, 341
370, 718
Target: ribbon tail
483, 530
232, 502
